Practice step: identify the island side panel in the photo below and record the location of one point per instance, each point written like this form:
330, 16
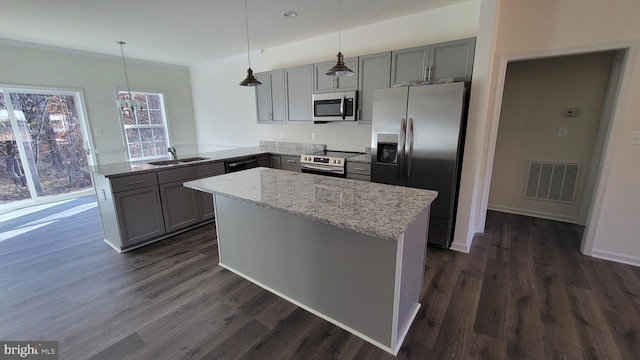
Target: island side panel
411, 268
346, 276
107, 209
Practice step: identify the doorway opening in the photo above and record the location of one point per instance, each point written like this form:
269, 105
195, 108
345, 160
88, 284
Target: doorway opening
44, 145
554, 118
595, 165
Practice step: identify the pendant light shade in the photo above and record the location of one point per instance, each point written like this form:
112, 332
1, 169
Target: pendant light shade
250, 80
339, 69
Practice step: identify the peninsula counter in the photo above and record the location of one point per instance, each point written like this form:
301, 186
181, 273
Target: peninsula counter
351, 252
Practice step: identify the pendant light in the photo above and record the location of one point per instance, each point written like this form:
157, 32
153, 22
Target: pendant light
250, 80
130, 104
339, 69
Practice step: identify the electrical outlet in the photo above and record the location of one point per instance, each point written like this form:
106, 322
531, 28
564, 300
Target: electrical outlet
313, 136
572, 112
280, 135
563, 131
635, 138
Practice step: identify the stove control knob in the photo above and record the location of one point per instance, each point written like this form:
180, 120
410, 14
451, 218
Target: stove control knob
338, 161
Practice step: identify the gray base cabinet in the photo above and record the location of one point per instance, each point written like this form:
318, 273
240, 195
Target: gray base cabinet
324, 84
358, 171
180, 206
139, 215
290, 163
205, 204
142, 208
274, 161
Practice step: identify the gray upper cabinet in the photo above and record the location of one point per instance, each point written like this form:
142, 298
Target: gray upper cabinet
323, 83
452, 59
299, 85
409, 64
270, 97
374, 73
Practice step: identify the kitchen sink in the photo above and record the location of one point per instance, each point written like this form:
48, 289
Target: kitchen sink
164, 162
174, 162
192, 159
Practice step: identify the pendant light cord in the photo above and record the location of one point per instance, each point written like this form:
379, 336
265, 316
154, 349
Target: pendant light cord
246, 21
339, 25
126, 75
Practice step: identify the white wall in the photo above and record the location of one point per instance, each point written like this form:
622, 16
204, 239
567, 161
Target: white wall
225, 112
528, 29
98, 76
536, 94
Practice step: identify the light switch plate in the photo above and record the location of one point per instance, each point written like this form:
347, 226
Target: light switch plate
563, 131
635, 138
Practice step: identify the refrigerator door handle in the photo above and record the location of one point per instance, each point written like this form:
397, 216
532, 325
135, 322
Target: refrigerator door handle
403, 140
409, 142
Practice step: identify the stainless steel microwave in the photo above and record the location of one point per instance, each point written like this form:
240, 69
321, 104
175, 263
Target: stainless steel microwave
337, 106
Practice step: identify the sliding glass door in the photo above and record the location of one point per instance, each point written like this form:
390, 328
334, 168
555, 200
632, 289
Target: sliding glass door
44, 145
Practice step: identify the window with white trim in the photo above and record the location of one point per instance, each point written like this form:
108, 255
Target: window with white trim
145, 130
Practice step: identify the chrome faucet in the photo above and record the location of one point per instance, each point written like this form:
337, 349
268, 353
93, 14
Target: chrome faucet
173, 152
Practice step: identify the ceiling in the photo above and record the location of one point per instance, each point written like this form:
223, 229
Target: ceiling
189, 31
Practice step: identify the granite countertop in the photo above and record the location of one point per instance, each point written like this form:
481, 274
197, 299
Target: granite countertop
128, 168
364, 158
373, 209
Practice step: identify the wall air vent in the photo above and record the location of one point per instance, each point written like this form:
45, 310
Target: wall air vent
552, 181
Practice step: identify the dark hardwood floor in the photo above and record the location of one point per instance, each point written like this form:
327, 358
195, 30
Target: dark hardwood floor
524, 292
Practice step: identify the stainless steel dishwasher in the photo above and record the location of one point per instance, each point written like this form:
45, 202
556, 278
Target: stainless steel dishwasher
240, 164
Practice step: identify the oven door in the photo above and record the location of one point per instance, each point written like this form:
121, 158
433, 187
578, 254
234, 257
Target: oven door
325, 170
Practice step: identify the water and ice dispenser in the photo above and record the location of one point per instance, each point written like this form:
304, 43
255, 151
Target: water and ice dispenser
387, 149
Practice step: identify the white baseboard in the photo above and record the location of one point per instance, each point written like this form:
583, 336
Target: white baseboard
532, 213
463, 248
616, 257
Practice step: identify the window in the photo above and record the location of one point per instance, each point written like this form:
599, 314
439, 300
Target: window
44, 145
145, 130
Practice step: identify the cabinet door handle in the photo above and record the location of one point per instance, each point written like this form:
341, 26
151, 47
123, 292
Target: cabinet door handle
136, 182
104, 194
429, 73
291, 161
359, 169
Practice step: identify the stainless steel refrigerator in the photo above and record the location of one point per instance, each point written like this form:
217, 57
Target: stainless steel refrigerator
417, 141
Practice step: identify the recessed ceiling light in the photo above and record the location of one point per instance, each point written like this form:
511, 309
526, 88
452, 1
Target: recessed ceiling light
289, 13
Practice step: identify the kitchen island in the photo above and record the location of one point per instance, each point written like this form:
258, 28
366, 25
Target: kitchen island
351, 252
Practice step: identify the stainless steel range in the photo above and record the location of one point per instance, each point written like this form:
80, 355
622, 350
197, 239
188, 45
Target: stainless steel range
330, 163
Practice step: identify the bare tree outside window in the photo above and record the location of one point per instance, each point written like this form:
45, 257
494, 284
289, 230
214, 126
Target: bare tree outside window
45, 154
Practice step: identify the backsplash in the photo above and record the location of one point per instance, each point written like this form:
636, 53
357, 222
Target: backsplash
301, 148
